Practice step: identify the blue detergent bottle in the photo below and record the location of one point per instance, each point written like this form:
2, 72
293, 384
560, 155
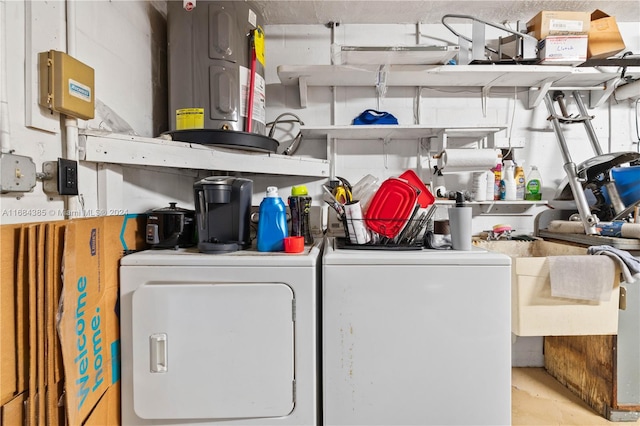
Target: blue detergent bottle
272, 222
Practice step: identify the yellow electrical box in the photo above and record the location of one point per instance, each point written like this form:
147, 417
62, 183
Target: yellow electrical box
66, 85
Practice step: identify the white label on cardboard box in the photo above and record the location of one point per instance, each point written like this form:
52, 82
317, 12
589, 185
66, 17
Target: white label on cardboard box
565, 25
564, 48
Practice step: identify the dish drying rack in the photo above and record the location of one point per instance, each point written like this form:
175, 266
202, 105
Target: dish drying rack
410, 236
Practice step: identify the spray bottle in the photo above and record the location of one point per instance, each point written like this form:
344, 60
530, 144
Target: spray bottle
440, 189
508, 177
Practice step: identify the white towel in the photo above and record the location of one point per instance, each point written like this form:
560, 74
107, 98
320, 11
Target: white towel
582, 277
629, 265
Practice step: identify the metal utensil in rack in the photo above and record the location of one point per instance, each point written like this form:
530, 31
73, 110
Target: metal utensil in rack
414, 227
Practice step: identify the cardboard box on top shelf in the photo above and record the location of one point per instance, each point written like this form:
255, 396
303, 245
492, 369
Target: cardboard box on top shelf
549, 23
89, 327
604, 36
563, 49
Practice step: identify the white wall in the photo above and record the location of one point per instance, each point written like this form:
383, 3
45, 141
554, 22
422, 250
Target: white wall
125, 42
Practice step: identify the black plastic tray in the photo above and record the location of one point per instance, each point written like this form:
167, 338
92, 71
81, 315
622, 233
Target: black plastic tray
343, 243
226, 138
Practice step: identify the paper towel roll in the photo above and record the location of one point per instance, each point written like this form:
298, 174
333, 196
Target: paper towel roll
468, 159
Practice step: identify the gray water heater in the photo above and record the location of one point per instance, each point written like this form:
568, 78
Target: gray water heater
210, 59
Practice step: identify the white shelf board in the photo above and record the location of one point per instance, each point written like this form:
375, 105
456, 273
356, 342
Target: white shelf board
496, 202
387, 131
437, 75
393, 131
488, 206
101, 147
542, 77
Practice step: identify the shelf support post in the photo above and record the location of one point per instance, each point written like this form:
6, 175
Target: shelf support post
302, 87
485, 95
331, 156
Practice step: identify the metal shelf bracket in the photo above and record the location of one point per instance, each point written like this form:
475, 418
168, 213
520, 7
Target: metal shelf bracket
537, 94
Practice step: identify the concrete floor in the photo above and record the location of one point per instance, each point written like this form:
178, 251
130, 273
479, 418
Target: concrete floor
539, 399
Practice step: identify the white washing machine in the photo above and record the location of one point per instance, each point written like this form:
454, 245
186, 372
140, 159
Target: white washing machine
225, 339
416, 337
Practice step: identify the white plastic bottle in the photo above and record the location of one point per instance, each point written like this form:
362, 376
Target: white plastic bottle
509, 181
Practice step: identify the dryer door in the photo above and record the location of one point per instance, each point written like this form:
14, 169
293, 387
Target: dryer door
220, 350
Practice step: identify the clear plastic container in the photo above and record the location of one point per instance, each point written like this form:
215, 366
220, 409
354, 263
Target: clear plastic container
272, 222
364, 189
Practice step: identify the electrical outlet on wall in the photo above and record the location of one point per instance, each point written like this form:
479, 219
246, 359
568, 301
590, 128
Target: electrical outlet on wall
67, 177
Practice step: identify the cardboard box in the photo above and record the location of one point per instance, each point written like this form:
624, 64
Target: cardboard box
89, 322
12, 413
533, 311
604, 37
107, 412
30, 362
10, 361
563, 50
548, 23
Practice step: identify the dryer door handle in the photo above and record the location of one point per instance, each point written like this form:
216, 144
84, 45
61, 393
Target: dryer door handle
158, 353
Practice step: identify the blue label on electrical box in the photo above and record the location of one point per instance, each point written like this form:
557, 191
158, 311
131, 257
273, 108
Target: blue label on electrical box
79, 90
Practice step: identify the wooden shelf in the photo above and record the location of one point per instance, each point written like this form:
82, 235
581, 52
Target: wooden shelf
101, 147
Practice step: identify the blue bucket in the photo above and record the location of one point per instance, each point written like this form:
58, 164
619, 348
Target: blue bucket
627, 181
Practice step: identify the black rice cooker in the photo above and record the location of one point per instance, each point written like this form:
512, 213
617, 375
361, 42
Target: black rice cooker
171, 227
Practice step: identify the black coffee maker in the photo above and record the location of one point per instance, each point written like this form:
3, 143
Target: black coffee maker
223, 213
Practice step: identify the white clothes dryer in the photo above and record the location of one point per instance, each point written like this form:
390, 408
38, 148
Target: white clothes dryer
226, 339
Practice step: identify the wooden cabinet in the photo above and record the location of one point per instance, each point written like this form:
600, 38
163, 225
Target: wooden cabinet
589, 366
